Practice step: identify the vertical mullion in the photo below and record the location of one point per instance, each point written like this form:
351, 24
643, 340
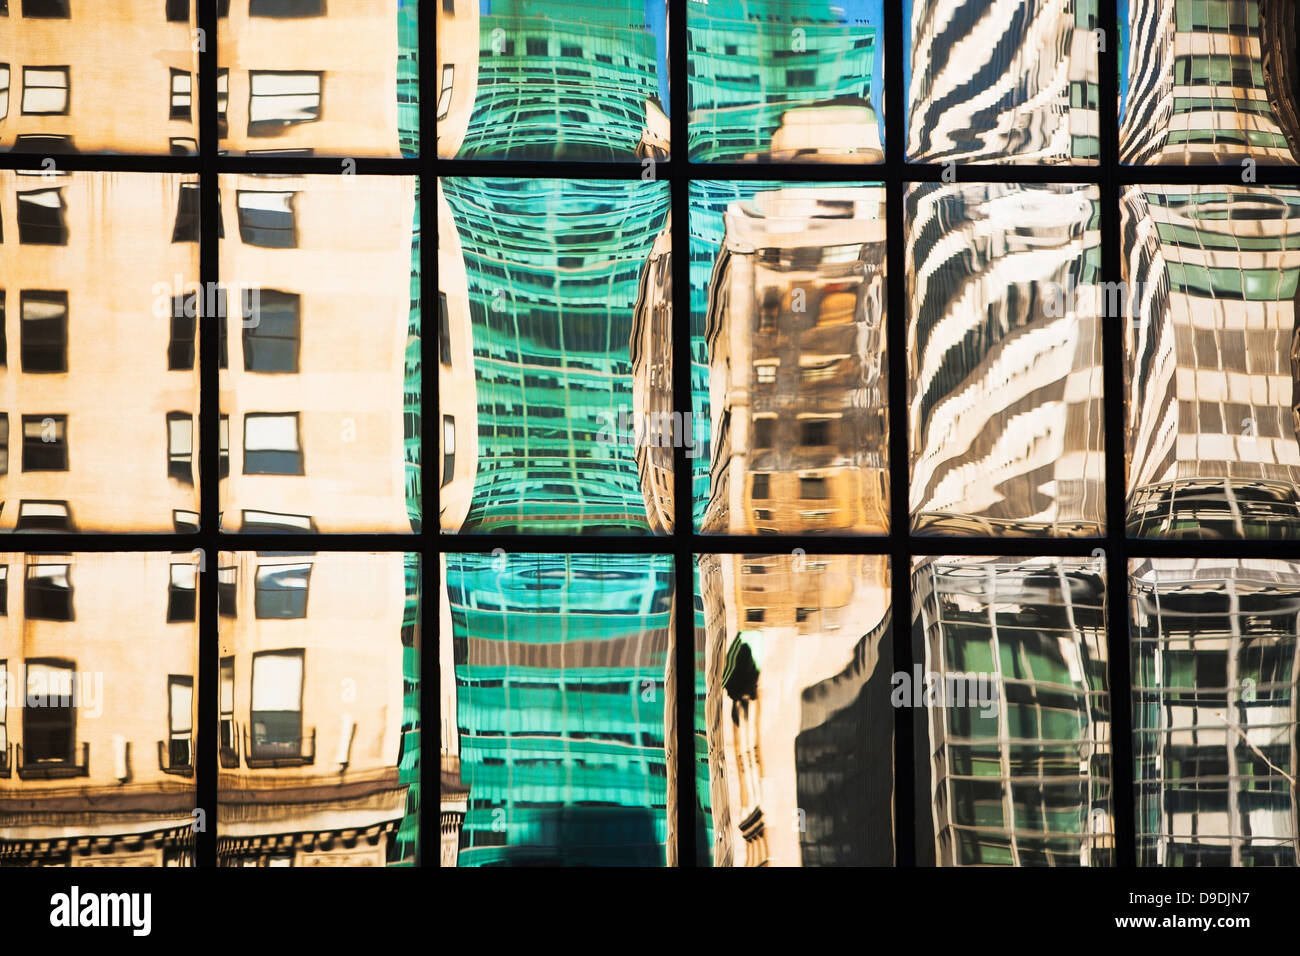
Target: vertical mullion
683, 494
1112, 328
900, 571
205, 772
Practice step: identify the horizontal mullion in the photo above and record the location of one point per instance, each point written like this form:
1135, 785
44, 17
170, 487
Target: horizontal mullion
327, 165
540, 169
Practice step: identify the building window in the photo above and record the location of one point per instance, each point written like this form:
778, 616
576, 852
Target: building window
286, 8
4, 90
45, 443
41, 218
4, 612
223, 101
4, 443
183, 145
44, 331
49, 715
223, 458
44, 144
815, 432
182, 593
185, 522
178, 10
180, 447
182, 95
279, 100
43, 516
271, 332
50, 9
6, 766
187, 214
762, 486
280, 591
813, 488
179, 753
444, 330
184, 320
271, 445
228, 746
260, 521
276, 711
266, 219
4, 339
45, 90
47, 593
766, 374
764, 432
448, 449
227, 579
444, 97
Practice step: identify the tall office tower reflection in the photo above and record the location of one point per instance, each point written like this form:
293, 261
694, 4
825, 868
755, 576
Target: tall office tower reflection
1215, 673
557, 698
1013, 753
540, 282
324, 410
795, 335
1004, 359
1211, 273
552, 79
325, 77
1002, 81
98, 659
76, 78
319, 722
784, 81
99, 383
1209, 81
797, 661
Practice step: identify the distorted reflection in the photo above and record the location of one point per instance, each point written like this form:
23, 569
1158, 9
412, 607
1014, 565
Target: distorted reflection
1214, 711
1004, 359
1002, 81
785, 81
1210, 277
1015, 759
1209, 81
555, 364
558, 710
794, 340
795, 658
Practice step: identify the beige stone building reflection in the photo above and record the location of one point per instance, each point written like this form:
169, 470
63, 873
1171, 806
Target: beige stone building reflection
797, 717
315, 748
99, 658
655, 429
99, 384
456, 61
796, 338
76, 77
319, 334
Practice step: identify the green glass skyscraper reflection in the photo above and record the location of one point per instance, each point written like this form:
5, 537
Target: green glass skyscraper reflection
552, 269
561, 707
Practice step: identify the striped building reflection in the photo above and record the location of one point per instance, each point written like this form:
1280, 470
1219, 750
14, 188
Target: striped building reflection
1004, 359
782, 81
796, 714
557, 699
1211, 273
1210, 81
1013, 81
1020, 777
538, 314
1215, 674
795, 339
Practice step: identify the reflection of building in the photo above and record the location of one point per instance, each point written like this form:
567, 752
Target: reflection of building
98, 655
1022, 775
99, 390
77, 79
1215, 674
1014, 81
1004, 356
552, 273
456, 60
319, 721
561, 708
321, 411
300, 77
795, 337
1210, 81
797, 713
1212, 441
652, 383
783, 81
577, 79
